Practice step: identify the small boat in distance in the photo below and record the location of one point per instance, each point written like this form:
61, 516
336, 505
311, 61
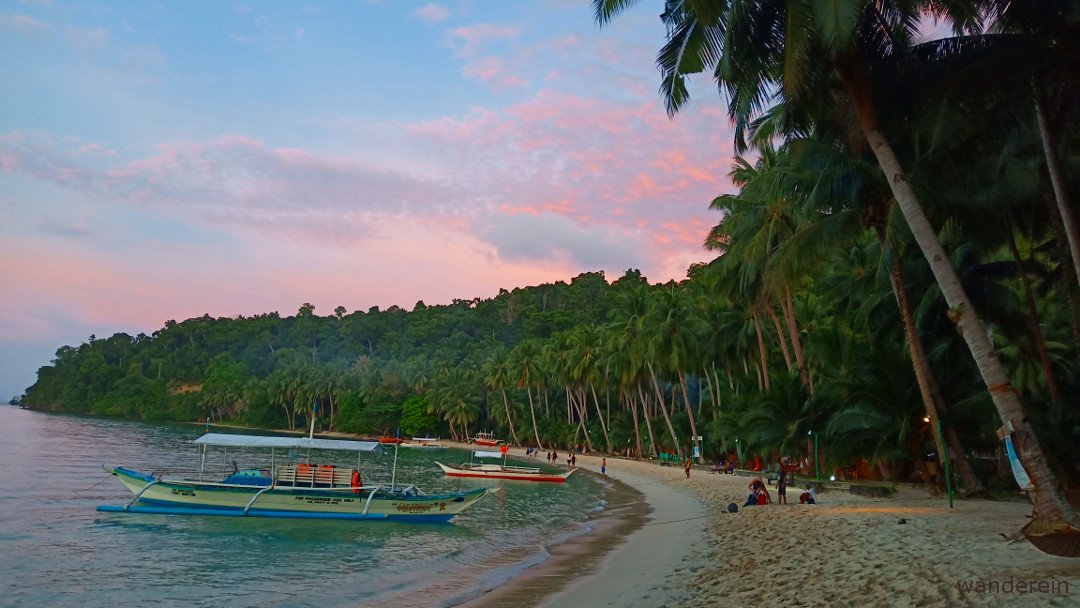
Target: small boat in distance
500, 471
276, 487
426, 443
487, 439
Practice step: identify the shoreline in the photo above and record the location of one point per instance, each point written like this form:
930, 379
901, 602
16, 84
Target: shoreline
627, 557
908, 550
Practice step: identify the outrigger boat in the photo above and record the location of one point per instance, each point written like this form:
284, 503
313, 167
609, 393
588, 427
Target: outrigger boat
426, 443
486, 439
301, 490
500, 471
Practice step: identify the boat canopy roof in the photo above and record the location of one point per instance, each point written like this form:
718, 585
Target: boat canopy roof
266, 441
486, 454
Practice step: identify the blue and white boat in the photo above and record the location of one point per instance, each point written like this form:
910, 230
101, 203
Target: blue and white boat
309, 489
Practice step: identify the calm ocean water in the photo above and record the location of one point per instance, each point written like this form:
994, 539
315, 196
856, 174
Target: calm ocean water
56, 550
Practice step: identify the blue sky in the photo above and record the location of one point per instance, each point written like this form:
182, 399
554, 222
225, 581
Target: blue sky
166, 160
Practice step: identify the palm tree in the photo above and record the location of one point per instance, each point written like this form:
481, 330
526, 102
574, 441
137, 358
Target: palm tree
526, 375
497, 376
675, 341
846, 51
585, 344
455, 395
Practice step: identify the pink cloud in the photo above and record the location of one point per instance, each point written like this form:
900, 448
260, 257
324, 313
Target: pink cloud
493, 70
432, 12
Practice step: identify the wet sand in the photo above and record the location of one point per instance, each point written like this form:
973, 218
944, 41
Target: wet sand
643, 548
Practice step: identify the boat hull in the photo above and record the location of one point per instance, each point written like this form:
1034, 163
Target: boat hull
496, 472
210, 498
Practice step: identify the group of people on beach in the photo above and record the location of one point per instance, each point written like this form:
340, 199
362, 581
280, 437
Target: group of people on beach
759, 492
571, 458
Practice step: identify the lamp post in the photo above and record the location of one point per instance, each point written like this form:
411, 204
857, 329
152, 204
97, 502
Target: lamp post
944, 457
817, 465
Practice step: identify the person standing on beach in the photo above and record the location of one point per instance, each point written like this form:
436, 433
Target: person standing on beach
687, 466
573, 460
781, 483
603, 467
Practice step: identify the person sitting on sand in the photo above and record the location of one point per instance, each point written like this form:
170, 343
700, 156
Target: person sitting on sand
808, 496
759, 494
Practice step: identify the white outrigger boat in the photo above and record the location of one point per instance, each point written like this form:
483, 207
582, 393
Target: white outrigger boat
424, 443
301, 490
500, 471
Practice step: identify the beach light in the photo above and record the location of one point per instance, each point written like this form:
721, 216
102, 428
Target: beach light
832, 477
926, 419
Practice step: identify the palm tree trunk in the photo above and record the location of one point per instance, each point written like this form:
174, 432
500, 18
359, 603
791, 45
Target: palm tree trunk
629, 401
1071, 294
648, 423
780, 333
509, 420
532, 413
689, 410
600, 417
663, 409
1057, 181
761, 350
1049, 501
581, 407
788, 308
928, 387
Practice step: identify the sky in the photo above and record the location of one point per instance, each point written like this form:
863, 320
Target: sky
161, 161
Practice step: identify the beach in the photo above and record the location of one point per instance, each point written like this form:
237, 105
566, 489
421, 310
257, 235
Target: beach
909, 549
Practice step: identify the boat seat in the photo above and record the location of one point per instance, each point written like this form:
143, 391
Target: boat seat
314, 476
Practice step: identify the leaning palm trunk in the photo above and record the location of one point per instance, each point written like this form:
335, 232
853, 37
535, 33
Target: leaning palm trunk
928, 389
629, 401
600, 417
788, 308
532, 413
648, 423
663, 409
509, 420
1050, 503
780, 335
761, 350
581, 409
689, 410
1057, 181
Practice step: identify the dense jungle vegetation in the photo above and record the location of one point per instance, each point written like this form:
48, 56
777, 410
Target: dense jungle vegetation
901, 250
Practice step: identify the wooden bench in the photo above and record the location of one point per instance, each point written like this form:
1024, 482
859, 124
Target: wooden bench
314, 476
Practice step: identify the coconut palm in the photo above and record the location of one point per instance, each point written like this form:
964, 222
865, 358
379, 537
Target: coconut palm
847, 51
497, 376
524, 365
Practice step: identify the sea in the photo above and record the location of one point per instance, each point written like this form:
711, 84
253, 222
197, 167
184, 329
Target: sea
57, 550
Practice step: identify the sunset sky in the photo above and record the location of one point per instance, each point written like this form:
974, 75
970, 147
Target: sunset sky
166, 160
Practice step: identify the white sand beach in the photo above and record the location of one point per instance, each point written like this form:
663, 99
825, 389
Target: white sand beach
907, 550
